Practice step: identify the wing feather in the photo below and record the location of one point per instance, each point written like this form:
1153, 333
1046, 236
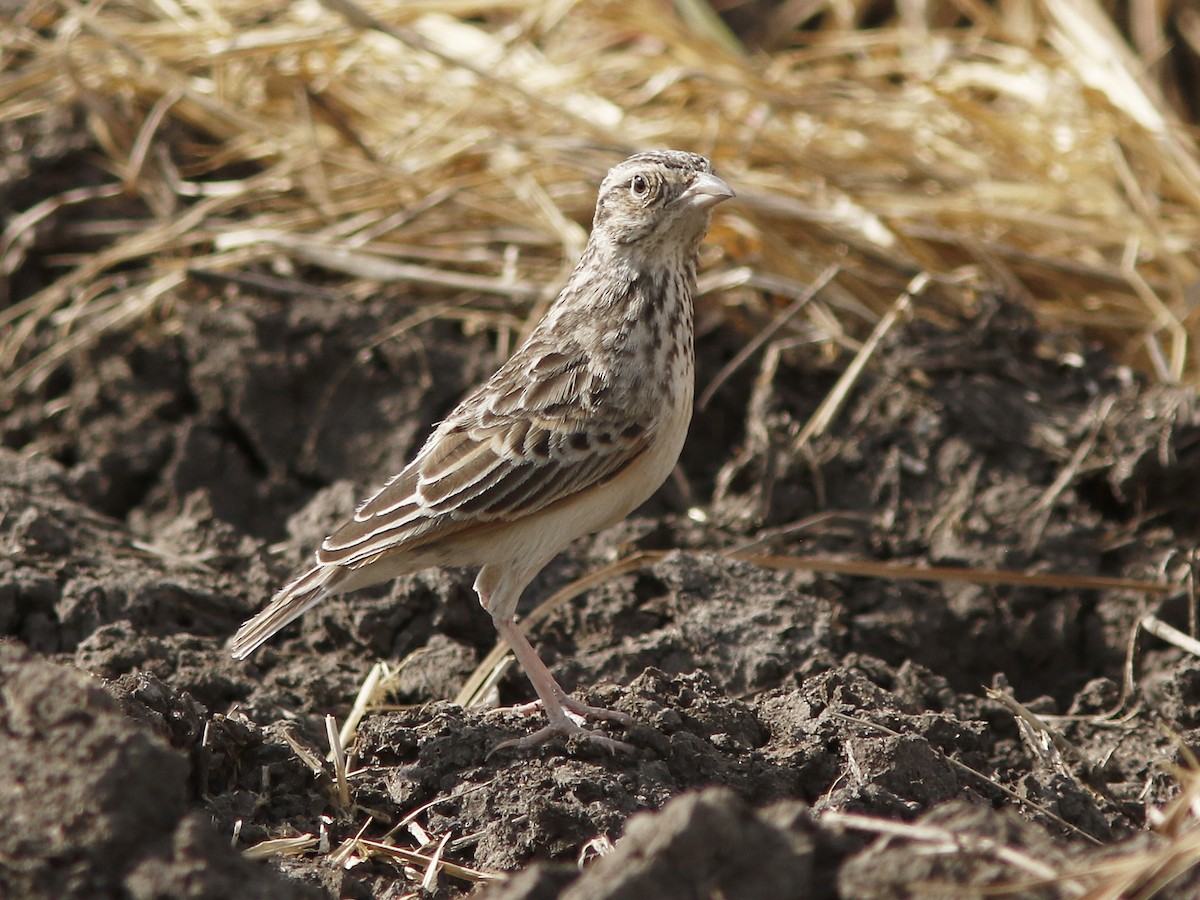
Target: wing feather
522, 442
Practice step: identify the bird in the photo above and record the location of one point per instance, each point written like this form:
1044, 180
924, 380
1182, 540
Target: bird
583, 422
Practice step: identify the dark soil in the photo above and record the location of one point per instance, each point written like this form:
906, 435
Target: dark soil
156, 490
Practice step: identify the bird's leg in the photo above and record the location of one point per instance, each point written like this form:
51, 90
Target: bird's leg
499, 589
555, 701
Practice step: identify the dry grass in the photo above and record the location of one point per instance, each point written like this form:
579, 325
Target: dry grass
454, 146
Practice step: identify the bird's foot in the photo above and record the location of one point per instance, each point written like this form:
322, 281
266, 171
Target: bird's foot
579, 709
563, 724
564, 728
560, 707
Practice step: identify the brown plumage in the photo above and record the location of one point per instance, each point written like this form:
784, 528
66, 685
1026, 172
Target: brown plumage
580, 426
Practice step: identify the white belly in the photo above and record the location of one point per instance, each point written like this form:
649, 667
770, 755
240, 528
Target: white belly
530, 543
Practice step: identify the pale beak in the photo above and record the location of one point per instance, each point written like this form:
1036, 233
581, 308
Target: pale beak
705, 192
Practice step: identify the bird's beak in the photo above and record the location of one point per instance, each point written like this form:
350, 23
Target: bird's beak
705, 192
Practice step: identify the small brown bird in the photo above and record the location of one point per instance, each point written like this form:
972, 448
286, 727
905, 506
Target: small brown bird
579, 427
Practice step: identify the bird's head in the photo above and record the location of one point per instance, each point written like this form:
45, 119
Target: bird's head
657, 204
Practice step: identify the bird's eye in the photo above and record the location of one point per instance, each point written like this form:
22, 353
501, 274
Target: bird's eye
639, 186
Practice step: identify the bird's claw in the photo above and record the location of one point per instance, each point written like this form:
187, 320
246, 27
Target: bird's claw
578, 709
570, 704
566, 728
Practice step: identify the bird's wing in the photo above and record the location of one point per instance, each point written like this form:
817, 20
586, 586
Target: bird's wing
545, 427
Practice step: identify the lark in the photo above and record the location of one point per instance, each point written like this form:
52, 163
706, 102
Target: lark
579, 427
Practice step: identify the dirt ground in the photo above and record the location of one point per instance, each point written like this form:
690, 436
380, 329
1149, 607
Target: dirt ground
157, 489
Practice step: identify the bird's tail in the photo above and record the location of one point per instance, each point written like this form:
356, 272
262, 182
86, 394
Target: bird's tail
293, 600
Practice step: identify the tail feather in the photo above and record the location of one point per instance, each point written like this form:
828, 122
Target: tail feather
291, 602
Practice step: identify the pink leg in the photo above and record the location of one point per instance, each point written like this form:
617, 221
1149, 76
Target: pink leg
555, 701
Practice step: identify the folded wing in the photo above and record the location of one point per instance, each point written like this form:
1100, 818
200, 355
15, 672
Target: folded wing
542, 430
